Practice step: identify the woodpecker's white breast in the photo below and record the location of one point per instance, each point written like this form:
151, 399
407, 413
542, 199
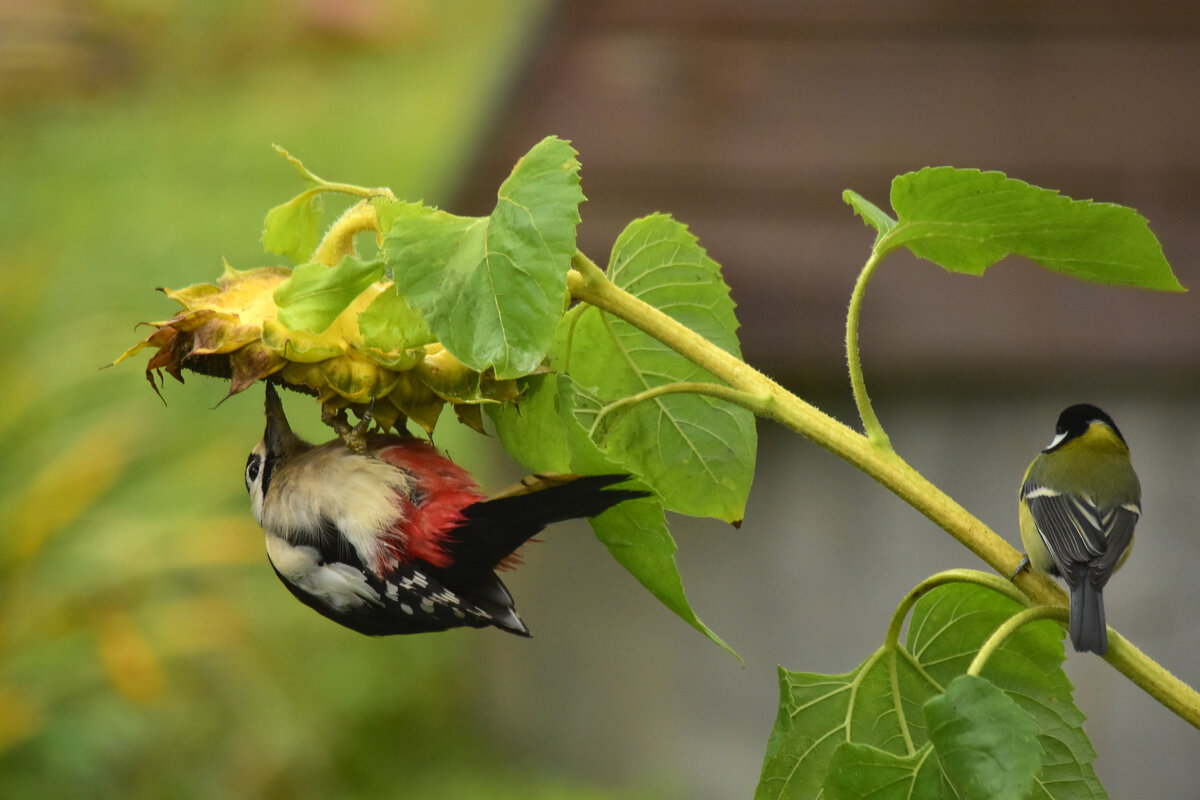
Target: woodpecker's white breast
357, 493
339, 586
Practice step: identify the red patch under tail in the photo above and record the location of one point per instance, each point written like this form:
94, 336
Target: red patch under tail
441, 490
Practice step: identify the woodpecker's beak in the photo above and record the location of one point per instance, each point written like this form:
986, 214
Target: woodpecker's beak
279, 437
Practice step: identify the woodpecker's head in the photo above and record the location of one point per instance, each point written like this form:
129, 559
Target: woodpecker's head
277, 446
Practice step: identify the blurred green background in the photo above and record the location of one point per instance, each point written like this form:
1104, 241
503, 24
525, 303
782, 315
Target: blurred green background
146, 650
145, 647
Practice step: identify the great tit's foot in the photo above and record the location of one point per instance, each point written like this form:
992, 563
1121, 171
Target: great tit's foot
1024, 563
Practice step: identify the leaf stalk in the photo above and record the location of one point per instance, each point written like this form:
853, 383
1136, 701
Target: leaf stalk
875, 433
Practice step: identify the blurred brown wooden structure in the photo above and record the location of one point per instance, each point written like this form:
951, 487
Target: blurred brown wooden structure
747, 119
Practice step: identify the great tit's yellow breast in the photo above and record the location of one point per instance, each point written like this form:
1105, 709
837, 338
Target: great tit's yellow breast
1035, 548
1095, 464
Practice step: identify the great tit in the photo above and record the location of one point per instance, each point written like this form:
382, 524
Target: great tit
1079, 503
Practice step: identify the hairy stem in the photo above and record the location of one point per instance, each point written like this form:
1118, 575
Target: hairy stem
588, 283
874, 431
339, 239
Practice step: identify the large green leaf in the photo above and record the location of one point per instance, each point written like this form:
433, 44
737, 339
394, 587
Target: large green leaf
986, 744
390, 323
542, 433
857, 771
966, 220
313, 297
492, 289
696, 451
874, 718
946, 630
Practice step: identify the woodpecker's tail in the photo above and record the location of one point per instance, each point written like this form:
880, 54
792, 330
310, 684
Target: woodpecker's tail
1088, 629
495, 528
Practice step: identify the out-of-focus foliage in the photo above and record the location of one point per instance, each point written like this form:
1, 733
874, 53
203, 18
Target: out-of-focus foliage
145, 648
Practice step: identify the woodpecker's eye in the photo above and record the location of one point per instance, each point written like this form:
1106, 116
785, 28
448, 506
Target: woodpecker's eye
253, 463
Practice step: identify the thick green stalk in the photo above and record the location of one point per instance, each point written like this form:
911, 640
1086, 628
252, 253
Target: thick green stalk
339, 239
588, 283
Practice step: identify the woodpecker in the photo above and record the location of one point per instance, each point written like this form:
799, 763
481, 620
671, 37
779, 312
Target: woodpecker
393, 537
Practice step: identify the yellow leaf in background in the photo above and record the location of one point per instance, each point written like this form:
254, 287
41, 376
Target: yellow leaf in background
127, 657
89, 466
198, 624
221, 541
18, 717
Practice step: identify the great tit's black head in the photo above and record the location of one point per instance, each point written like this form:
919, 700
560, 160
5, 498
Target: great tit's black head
1077, 420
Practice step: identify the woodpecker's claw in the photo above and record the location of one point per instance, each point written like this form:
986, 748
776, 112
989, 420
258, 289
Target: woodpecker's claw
353, 436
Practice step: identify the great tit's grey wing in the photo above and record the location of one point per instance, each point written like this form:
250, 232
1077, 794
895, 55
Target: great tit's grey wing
1118, 526
1077, 531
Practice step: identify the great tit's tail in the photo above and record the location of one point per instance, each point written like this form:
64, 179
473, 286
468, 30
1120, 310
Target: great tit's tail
1088, 629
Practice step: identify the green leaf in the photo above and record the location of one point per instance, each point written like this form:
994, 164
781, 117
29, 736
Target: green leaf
387, 211
880, 704
538, 433
987, 745
857, 771
390, 324
1028, 668
541, 432
696, 451
636, 535
293, 229
966, 220
871, 214
313, 297
817, 713
493, 288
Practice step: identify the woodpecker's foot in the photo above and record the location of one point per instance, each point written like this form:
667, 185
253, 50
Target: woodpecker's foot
353, 436
356, 437
1024, 563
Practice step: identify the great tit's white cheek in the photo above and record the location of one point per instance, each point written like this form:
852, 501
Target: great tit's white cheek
1057, 440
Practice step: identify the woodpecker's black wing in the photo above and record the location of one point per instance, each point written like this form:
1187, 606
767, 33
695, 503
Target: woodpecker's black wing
495, 528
